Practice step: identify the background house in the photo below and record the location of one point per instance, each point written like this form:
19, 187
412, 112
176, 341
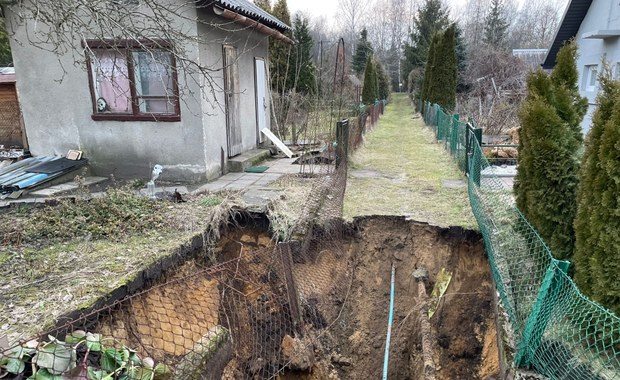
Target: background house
131, 102
595, 25
532, 58
11, 128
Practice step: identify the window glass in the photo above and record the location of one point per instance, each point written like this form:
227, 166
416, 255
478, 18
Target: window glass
593, 75
131, 81
111, 81
154, 81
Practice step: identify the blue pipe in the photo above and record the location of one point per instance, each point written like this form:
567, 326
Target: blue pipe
386, 359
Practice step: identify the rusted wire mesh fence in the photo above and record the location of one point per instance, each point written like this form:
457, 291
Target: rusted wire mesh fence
250, 308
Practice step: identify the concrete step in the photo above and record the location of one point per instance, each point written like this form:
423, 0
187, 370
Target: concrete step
55, 190
245, 160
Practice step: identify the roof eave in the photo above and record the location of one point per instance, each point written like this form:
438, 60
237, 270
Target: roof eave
568, 29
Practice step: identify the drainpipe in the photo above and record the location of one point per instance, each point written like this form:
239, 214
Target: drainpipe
245, 21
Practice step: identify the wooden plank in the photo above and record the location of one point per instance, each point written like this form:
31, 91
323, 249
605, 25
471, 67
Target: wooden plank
293, 298
274, 139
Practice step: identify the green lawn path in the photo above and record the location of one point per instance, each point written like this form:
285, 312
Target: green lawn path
400, 170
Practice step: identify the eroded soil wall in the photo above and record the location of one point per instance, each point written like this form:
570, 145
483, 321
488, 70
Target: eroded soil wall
344, 293
463, 328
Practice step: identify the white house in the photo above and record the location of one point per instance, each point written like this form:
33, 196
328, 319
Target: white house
129, 102
595, 25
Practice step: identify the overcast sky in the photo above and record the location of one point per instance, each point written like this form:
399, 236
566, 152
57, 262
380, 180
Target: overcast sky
329, 7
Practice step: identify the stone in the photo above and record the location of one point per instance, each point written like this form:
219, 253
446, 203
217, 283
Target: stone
336, 358
454, 183
297, 354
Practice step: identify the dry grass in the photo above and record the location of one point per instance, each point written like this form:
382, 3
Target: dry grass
286, 213
405, 169
46, 276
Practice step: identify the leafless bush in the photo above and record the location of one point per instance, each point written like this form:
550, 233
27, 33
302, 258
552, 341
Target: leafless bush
498, 86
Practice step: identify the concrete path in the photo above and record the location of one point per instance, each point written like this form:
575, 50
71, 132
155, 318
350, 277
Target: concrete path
247, 181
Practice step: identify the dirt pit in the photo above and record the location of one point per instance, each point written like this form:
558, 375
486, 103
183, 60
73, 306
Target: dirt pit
463, 334
320, 311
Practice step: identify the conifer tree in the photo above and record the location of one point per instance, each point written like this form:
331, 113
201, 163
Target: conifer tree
302, 73
461, 59
280, 52
591, 223
430, 18
362, 51
383, 79
5, 50
495, 26
264, 5
369, 91
427, 81
442, 89
546, 181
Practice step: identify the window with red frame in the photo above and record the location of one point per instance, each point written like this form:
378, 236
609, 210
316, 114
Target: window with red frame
132, 82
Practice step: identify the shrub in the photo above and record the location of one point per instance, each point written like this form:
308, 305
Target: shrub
549, 141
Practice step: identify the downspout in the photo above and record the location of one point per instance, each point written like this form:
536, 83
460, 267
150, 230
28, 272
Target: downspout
245, 21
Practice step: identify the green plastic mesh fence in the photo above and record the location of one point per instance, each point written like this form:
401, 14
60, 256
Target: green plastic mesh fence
557, 330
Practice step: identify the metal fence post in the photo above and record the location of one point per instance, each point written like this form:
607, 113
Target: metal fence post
539, 317
342, 141
475, 134
454, 133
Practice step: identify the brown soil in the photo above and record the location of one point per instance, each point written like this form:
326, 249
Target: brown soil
463, 327
344, 294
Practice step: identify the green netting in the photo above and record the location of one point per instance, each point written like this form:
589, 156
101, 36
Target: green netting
557, 330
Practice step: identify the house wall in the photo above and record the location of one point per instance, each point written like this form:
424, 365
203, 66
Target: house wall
603, 14
250, 45
57, 108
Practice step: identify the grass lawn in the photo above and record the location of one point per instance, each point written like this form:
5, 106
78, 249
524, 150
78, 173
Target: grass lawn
400, 170
61, 258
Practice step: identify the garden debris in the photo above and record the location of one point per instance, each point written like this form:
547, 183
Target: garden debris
274, 139
256, 169
12, 153
441, 285
338, 359
34, 171
74, 155
177, 197
297, 353
55, 165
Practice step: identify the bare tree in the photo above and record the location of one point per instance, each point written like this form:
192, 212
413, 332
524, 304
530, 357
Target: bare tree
536, 24
472, 20
387, 31
174, 27
352, 14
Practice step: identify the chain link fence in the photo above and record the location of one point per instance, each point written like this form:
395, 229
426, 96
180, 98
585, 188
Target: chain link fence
251, 307
557, 330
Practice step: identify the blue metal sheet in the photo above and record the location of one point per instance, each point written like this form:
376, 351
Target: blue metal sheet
32, 181
7, 178
17, 165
